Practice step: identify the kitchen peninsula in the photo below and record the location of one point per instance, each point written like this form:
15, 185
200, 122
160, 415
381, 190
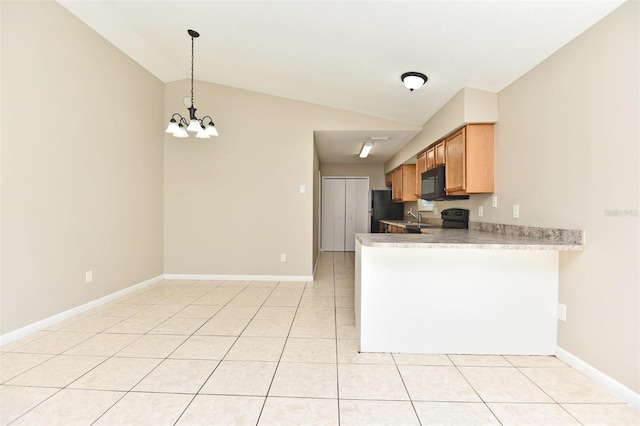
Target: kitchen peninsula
457, 291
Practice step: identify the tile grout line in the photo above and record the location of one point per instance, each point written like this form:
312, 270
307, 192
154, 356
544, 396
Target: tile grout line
286, 339
405, 388
154, 368
335, 320
82, 375
474, 389
228, 350
543, 391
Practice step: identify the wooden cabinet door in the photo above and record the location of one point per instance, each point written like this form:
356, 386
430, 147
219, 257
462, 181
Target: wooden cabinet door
388, 179
440, 156
396, 187
456, 162
431, 158
421, 167
479, 159
404, 180
409, 182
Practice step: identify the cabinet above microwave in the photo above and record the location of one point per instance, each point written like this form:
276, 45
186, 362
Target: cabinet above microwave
468, 161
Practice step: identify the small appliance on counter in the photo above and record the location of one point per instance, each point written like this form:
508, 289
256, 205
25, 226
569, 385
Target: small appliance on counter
455, 218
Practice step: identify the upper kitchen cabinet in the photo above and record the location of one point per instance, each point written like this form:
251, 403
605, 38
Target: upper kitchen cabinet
434, 155
421, 167
439, 153
431, 157
404, 183
469, 160
388, 179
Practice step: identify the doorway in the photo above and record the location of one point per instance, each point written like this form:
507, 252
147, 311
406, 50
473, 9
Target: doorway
345, 211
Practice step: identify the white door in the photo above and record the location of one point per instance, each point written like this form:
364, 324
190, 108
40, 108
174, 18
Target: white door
357, 211
345, 211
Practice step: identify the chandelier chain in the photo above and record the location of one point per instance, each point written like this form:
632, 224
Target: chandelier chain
179, 128
192, 56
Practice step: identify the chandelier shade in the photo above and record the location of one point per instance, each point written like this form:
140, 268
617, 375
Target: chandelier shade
178, 125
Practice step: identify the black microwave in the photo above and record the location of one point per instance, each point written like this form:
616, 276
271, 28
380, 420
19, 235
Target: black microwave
433, 186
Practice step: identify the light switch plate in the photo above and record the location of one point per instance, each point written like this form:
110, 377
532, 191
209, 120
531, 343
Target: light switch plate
494, 201
516, 211
480, 211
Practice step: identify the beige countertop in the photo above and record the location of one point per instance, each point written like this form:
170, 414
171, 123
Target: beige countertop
439, 238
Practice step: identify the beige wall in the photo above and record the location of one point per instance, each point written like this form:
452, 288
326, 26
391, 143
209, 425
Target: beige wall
567, 152
567, 147
375, 172
232, 203
81, 165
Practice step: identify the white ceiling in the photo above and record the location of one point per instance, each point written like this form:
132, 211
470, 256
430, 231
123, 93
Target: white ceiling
344, 146
345, 54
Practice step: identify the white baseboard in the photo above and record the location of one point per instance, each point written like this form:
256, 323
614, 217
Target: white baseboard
238, 277
618, 389
52, 320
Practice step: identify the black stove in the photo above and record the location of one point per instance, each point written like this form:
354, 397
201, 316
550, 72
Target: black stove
451, 219
455, 218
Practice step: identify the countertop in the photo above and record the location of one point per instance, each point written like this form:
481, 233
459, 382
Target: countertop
404, 223
461, 239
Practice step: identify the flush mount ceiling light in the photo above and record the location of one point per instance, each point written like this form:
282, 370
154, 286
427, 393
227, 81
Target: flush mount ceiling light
366, 149
413, 80
200, 127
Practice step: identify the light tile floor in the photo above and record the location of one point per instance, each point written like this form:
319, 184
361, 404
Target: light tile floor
213, 352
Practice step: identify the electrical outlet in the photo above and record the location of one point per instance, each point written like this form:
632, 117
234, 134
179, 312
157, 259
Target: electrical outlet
516, 211
480, 211
88, 277
283, 257
562, 312
494, 201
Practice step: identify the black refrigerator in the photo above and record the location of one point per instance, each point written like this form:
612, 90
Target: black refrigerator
383, 208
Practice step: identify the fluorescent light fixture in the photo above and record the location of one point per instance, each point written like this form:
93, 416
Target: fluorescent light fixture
366, 149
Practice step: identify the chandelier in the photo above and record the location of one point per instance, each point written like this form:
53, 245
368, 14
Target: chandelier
200, 127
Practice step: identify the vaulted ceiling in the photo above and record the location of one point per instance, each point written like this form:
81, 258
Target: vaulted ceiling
345, 54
